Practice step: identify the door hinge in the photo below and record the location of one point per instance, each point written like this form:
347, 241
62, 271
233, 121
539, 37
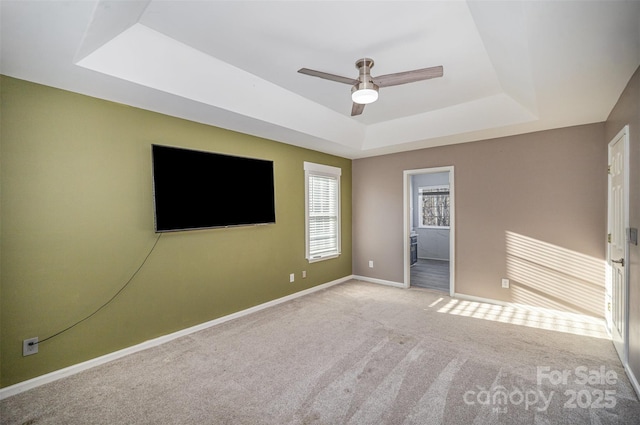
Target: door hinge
609, 237
608, 169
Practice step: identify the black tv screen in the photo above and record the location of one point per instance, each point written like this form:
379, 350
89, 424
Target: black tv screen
199, 190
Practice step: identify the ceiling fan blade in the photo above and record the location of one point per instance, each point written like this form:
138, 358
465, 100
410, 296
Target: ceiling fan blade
328, 76
357, 109
408, 76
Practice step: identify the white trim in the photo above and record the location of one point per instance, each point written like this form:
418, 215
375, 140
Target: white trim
327, 171
406, 182
322, 169
481, 299
323, 257
420, 226
576, 316
624, 135
77, 368
472, 298
627, 162
433, 188
380, 281
633, 380
436, 259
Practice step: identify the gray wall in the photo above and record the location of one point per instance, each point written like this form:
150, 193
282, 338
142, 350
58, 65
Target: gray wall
433, 244
627, 111
519, 201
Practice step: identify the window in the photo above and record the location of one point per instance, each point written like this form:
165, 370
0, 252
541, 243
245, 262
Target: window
434, 205
322, 211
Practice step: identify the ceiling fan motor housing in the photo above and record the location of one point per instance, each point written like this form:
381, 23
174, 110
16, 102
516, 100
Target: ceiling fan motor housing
367, 91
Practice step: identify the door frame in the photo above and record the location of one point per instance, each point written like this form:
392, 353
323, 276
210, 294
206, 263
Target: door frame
624, 135
407, 221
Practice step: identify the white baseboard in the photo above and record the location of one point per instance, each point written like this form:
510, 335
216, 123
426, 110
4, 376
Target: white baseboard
72, 370
380, 281
577, 316
435, 259
480, 299
633, 380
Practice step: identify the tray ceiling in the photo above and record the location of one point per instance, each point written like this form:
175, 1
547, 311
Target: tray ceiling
509, 67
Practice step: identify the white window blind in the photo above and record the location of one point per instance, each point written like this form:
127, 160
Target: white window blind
322, 211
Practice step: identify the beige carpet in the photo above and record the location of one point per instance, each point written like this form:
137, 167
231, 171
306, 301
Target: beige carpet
356, 353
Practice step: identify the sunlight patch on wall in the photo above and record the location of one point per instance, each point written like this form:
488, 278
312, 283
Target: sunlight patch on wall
550, 276
532, 317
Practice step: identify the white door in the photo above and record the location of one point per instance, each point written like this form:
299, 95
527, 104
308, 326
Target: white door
617, 290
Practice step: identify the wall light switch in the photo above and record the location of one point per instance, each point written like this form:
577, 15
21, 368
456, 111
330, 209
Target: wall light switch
371, 264
292, 277
505, 283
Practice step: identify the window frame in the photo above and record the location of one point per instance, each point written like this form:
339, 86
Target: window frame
326, 171
433, 190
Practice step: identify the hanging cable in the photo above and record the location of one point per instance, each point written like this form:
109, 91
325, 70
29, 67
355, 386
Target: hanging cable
106, 303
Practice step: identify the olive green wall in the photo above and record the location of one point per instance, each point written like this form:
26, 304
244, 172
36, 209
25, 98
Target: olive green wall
77, 221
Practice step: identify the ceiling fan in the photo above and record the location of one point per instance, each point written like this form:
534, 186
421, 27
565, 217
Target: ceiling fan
365, 87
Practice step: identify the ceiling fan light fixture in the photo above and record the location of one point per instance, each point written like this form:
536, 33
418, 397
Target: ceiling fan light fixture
364, 90
364, 94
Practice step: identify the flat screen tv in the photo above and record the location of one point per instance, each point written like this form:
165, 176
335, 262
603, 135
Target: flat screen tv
200, 190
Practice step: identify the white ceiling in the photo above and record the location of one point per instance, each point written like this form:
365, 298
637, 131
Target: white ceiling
510, 67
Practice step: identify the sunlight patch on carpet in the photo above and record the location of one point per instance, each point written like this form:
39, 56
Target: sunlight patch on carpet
532, 317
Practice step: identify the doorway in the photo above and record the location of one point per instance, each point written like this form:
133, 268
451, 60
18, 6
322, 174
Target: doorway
617, 288
429, 228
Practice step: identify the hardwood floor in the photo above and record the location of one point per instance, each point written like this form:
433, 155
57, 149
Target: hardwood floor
431, 274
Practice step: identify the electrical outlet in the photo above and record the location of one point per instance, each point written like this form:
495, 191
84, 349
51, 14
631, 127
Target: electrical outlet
370, 264
292, 277
304, 274
30, 346
505, 283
